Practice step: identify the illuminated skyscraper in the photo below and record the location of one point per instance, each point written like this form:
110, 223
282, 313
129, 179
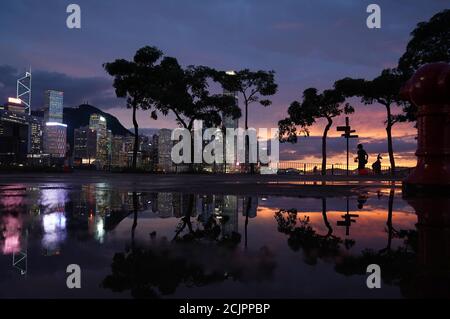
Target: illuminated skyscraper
229, 123
53, 106
15, 105
36, 135
119, 154
13, 137
24, 91
85, 145
55, 137
165, 143
98, 123
55, 132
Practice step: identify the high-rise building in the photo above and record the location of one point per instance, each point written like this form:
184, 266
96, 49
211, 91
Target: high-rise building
118, 153
228, 122
36, 145
98, 123
165, 144
154, 152
13, 138
55, 132
85, 145
15, 105
20, 134
24, 91
53, 106
55, 137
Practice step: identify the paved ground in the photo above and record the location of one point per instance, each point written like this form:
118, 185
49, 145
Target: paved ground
289, 185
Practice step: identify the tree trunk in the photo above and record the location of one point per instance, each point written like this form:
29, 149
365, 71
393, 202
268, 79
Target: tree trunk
247, 144
324, 146
247, 212
324, 216
192, 163
136, 137
389, 220
135, 219
389, 139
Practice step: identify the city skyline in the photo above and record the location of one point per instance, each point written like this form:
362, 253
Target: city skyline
295, 44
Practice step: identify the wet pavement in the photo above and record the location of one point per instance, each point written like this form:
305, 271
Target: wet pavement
170, 244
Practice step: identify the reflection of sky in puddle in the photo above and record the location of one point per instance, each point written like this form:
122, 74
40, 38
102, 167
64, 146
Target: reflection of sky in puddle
89, 224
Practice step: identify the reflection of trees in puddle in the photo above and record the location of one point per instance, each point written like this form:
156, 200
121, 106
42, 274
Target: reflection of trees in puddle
195, 257
301, 235
420, 265
397, 264
210, 230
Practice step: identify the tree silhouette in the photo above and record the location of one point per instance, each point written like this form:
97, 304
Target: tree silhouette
430, 42
252, 85
390, 228
133, 81
301, 235
159, 268
327, 105
384, 90
186, 94
325, 218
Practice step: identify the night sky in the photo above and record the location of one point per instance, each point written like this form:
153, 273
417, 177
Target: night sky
307, 43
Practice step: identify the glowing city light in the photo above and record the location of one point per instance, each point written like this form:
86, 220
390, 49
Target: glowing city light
54, 230
55, 124
10, 233
14, 100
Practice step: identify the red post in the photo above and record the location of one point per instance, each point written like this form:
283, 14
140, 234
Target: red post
429, 89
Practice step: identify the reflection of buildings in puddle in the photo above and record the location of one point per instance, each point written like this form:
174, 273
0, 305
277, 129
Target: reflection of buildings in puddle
164, 205
11, 230
53, 199
229, 214
96, 227
54, 226
167, 205
223, 208
103, 199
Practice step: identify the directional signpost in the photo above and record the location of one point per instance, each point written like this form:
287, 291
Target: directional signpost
348, 220
347, 134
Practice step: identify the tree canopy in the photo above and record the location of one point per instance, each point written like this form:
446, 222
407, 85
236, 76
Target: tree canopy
186, 93
133, 81
328, 104
430, 42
